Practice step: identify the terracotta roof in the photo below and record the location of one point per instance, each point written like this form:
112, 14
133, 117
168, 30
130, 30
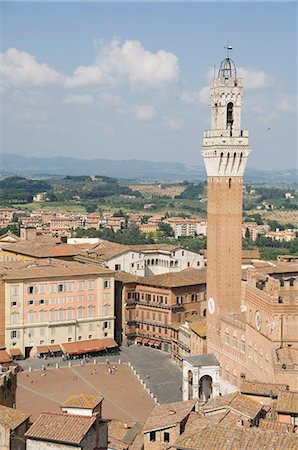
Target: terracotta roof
9, 234
199, 327
168, 415
198, 422
105, 250
19, 270
263, 389
60, 427
42, 249
278, 268
126, 277
82, 401
125, 435
275, 426
12, 418
237, 402
223, 437
4, 357
154, 247
287, 402
186, 277
251, 254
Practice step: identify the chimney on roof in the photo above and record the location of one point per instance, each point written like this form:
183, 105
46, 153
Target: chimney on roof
126, 426
28, 233
240, 422
63, 239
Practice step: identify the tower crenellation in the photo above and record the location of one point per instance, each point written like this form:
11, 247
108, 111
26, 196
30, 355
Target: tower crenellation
225, 145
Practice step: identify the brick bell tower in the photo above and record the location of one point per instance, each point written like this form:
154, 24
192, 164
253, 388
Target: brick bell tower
225, 151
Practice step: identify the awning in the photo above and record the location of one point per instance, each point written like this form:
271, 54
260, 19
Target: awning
151, 342
54, 348
15, 352
92, 346
157, 343
146, 340
4, 357
42, 349
138, 340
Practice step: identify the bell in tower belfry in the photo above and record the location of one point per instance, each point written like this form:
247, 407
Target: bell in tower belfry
225, 151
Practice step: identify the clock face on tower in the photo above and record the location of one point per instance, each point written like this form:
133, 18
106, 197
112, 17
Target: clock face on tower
211, 305
258, 320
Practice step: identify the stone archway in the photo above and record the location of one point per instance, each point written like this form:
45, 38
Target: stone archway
190, 384
205, 387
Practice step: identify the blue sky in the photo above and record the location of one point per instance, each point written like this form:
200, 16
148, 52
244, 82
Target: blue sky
129, 80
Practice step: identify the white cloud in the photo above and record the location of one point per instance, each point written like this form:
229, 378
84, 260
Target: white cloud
192, 97
88, 76
108, 131
19, 68
129, 62
254, 78
110, 99
144, 112
75, 99
173, 123
288, 104
115, 64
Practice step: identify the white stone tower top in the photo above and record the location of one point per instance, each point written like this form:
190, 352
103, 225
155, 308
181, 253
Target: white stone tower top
225, 147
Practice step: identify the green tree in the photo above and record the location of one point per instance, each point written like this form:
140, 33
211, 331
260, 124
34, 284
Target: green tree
166, 229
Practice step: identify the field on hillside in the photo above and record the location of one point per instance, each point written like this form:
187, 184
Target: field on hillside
151, 190
288, 216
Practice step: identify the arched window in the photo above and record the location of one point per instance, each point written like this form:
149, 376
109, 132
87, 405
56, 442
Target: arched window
230, 119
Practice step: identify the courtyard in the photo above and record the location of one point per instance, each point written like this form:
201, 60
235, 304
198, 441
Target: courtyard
124, 395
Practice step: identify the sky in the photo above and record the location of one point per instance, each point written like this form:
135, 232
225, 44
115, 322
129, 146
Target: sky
130, 80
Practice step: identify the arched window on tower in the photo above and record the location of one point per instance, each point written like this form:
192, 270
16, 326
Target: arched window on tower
230, 119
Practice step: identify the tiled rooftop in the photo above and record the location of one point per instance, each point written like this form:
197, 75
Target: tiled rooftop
199, 327
60, 427
11, 418
186, 277
236, 438
125, 435
37, 249
263, 389
237, 402
83, 401
287, 402
47, 269
275, 426
168, 415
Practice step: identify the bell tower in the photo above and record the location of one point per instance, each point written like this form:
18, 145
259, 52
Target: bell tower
225, 151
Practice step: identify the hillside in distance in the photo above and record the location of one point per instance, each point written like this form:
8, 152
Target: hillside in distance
11, 164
